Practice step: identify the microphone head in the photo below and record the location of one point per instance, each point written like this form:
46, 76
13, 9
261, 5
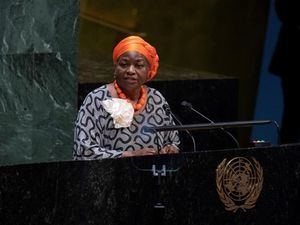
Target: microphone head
186, 104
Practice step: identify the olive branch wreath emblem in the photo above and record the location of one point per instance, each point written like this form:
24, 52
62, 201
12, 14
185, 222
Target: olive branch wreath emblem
249, 198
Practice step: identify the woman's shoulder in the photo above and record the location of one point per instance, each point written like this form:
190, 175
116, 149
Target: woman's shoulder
155, 96
97, 95
101, 92
153, 91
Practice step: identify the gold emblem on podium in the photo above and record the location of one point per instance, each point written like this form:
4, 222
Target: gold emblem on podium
239, 183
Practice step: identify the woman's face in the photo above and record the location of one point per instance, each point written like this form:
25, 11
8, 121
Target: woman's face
131, 70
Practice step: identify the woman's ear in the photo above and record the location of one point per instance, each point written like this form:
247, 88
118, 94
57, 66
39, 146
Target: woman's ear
149, 75
115, 72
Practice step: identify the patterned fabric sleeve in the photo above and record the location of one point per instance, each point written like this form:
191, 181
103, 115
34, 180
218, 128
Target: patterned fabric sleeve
87, 136
170, 137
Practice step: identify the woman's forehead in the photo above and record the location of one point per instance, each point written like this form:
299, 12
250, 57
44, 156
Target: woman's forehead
132, 55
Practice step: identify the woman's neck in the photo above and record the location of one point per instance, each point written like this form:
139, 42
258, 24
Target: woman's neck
132, 94
137, 98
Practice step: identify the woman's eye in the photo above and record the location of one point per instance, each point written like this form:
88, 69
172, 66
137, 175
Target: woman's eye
123, 64
140, 65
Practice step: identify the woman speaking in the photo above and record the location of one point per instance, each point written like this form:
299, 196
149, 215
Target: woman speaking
112, 119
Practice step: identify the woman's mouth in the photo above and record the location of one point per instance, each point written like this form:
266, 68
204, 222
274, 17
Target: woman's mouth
130, 80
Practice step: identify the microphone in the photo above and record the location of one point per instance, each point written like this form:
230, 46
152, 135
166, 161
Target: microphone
189, 107
169, 112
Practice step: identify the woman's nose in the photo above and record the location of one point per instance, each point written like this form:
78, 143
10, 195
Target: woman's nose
131, 69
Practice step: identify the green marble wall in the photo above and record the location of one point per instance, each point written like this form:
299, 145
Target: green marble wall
38, 79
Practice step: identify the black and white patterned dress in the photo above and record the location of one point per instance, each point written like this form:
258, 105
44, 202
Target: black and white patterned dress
95, 136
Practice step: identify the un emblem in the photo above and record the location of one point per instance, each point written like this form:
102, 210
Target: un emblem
239, 183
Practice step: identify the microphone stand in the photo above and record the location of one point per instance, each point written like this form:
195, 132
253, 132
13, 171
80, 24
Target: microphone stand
189, 106
278, 132
227, 132
207, 126
168, 110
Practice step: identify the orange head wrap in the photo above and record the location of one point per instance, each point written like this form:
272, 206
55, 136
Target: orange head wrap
135, 43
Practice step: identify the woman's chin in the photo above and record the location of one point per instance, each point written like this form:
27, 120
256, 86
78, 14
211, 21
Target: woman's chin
129, 85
